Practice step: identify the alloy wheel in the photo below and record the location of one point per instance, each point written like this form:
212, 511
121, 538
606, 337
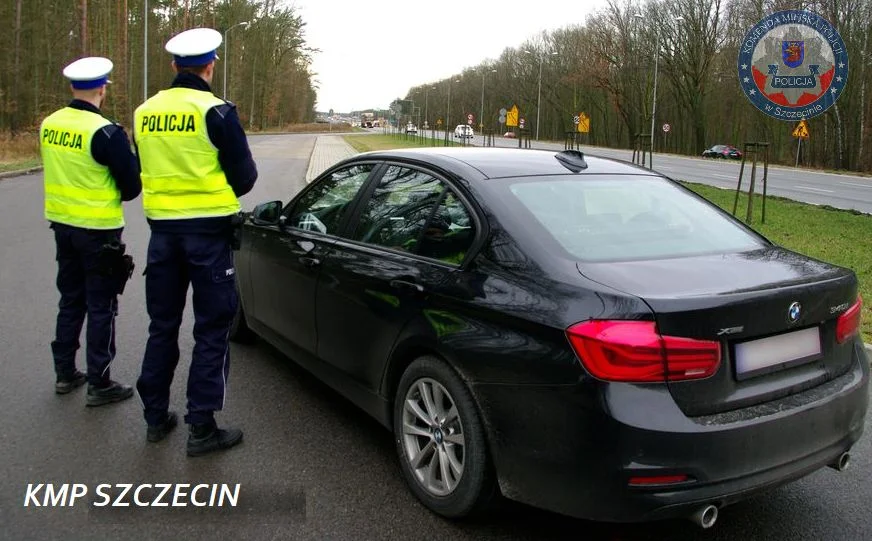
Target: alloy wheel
433, 437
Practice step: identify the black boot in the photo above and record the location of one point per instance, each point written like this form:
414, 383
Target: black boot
206, 438
113, 392
68, 383
156, 433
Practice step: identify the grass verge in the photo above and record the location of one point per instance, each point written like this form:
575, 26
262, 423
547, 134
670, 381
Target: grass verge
365, 143
19, 152
837, 236
19, 165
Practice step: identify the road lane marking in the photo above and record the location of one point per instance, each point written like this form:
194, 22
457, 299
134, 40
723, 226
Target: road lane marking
856, 184
812, 189
722, 176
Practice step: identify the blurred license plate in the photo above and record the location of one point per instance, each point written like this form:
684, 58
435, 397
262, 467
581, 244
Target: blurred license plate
766, 355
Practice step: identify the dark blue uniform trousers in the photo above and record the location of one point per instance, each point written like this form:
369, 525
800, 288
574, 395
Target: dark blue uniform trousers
174, 261
84, 291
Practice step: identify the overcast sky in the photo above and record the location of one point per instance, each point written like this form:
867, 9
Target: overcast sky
373, 51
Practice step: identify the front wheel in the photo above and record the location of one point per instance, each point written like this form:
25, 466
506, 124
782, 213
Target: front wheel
440, 440
239, 330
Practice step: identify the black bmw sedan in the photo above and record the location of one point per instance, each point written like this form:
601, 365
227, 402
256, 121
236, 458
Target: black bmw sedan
579, 334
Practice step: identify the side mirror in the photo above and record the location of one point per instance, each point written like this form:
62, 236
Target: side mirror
267, 213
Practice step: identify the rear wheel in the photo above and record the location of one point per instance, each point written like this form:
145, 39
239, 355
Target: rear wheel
440, 440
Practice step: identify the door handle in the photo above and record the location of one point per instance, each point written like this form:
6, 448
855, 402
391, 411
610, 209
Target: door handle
310, 262
407, 286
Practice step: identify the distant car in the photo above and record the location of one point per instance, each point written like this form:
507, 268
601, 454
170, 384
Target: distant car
464, 131
411, 128
576, 333
722, 151
367, 124
509, 134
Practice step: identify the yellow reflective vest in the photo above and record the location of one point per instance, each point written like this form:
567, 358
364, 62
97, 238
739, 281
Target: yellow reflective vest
78, 190
181, 175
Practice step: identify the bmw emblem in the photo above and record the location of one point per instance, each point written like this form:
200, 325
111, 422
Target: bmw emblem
794, 312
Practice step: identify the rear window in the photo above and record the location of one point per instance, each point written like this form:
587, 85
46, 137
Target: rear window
628, 217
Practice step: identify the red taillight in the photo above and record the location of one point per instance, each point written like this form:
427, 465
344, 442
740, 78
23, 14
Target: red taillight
848, 323
635, 351
658, 480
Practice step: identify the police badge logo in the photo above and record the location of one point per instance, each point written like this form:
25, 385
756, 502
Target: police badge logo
793, 65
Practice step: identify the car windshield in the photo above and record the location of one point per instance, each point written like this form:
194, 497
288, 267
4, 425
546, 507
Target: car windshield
626, 217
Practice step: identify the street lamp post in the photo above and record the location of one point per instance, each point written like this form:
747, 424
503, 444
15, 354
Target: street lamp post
654, 92
481, 111
539, 95
654, 101
226, 58
426, 108
448, 115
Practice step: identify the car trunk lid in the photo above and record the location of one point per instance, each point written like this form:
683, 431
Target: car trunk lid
773, 311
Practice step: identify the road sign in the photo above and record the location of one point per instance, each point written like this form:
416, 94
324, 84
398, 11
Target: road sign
469, 119
801, 130
575, 120
502, 119
503, 111
521, 123
583, 123
438, 121
512, 116
666, 128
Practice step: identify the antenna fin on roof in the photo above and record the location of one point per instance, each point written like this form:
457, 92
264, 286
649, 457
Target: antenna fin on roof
572, 160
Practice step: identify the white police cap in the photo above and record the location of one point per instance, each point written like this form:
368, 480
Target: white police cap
195, 47
90, 72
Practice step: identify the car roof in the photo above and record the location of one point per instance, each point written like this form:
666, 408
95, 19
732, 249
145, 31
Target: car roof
509, 162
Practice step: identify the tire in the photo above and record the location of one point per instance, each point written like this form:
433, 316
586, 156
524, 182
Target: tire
463, 439
239, 330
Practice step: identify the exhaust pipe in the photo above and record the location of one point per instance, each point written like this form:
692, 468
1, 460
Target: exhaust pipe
841, 463
705, 517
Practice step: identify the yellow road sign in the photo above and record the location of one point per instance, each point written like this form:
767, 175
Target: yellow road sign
512, 116
583, 123
801, 130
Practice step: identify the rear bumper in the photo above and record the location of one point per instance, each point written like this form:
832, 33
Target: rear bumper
572, 448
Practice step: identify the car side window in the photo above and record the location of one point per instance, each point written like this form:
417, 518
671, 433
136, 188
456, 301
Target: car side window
449, 233
323, 206
395, 215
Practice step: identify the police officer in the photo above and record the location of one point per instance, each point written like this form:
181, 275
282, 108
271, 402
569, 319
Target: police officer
195, 163
89, 170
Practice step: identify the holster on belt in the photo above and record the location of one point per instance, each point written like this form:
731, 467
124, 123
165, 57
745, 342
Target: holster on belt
236, 222
114, 262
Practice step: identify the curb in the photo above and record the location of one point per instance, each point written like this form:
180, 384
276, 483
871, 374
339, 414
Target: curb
10, 174
310, 167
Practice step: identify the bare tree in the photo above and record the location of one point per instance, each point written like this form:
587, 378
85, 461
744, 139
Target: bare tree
83, 33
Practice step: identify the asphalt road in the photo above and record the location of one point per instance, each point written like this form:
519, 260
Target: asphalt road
311, 467
836, 190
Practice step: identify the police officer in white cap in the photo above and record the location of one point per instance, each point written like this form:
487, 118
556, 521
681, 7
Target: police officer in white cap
195, 164
89, 170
